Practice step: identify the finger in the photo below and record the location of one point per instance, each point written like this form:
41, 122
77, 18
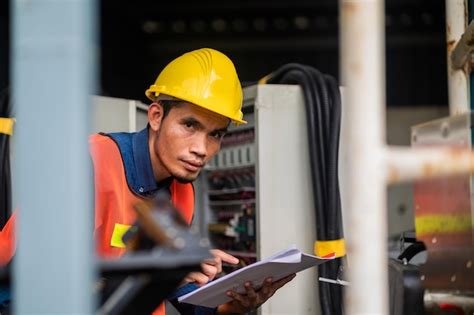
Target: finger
278, 284
212, 261
209, 270
242, 300
197, 277
216, 262
251, 294
267, 287
224, 256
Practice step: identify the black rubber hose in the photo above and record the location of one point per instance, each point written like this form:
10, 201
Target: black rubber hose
335, 230
5, 178
299, 74
296, 74
331, 121
323, 112
315, 149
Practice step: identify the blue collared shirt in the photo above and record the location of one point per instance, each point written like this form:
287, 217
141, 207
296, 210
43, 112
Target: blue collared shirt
137, 163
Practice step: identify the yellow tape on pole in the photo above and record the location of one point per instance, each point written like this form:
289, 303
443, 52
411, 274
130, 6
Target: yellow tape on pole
6, 125
323, 248
443, 223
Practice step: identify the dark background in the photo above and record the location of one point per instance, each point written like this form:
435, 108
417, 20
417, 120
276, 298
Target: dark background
138, 38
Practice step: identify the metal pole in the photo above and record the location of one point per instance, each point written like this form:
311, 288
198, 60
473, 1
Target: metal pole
363, 74
53, 58
458, 80
405, 164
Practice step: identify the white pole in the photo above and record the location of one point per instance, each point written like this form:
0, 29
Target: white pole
53, 59
363, 74
458, 79
371, 164
408, 164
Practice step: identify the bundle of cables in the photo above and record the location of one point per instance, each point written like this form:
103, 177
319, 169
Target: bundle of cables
323, 113
5, 179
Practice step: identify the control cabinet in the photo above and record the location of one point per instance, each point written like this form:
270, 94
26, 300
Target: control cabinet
256, 192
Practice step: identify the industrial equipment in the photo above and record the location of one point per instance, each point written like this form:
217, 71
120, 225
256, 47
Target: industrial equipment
162, 250
444, 220
258, 196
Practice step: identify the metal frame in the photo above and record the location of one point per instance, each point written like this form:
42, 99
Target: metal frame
458, 79
373, 164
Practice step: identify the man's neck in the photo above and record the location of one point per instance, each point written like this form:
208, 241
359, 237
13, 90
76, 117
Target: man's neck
159, 171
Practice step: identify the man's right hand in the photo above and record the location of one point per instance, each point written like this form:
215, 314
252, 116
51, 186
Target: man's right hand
210, 268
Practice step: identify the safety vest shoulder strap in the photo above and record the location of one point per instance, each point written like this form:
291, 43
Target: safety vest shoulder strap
105, 150
182, 196
7, 240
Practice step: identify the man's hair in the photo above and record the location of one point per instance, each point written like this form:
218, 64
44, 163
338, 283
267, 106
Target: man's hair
168, 105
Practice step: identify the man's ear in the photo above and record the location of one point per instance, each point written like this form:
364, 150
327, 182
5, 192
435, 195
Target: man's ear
155, 116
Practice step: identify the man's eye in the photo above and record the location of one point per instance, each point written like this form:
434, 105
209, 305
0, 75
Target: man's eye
188, 124
218, 135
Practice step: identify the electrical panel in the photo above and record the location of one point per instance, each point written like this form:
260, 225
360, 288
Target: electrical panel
230, 188
255, 196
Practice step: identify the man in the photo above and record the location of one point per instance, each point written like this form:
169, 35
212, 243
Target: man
195, 98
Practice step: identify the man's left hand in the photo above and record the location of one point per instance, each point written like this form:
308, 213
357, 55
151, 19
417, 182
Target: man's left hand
252, 299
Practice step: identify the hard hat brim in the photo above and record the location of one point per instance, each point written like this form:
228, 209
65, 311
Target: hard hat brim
152, 95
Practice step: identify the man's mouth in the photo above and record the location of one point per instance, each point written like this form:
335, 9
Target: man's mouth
193, 166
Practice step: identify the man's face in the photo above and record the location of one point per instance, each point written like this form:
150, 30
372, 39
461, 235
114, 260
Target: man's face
184, 141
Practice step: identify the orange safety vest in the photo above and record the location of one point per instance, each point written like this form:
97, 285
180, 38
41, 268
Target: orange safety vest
113, 203
114, 199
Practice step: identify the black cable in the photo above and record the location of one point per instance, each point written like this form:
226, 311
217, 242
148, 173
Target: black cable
298, 74
323, 115
412, 250
5, 176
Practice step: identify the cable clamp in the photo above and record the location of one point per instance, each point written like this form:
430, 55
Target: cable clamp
324, 248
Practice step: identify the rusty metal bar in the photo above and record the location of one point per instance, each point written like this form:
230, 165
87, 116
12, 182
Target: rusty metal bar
458, 79
461, 54
373, 164
363, 75
407, 164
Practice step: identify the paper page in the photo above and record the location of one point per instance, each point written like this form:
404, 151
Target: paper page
276, 266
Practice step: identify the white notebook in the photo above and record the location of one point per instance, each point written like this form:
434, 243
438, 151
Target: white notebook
278, 266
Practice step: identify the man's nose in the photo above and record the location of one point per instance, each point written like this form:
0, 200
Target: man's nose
199, 146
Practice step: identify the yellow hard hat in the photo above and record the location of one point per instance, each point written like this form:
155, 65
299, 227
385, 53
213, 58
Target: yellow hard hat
204, 77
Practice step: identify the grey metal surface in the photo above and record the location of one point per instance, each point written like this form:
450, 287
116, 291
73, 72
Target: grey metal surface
400, 196
285, 212
111, 114
453, 130
53, 59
